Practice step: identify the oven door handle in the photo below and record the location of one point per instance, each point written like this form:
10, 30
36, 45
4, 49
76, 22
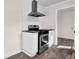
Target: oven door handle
43, 35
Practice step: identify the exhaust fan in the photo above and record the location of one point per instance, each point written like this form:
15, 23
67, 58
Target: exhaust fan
34, 12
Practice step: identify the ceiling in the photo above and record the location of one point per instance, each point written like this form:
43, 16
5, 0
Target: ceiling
66, 9
49, 2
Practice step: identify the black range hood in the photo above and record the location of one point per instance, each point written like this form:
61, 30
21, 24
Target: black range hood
34, 12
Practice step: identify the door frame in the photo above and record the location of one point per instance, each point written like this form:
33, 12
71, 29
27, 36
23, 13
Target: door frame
57, 21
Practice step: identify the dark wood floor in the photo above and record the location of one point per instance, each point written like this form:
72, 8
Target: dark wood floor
65, 42
51, 53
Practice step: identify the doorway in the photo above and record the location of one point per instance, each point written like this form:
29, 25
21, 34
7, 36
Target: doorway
65, 25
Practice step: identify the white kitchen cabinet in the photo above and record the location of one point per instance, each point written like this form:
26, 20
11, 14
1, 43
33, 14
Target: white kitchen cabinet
30, 43
51, 38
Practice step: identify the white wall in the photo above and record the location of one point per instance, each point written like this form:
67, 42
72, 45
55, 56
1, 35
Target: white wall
52, 20
66, 23
12, 24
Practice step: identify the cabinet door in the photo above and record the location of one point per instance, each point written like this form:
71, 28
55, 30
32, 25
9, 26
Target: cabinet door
51, 38
30, 42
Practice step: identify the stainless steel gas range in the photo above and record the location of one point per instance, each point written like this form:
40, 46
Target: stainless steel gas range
42, 37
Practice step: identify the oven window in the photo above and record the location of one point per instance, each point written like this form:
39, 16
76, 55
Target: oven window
42, 43
45, 38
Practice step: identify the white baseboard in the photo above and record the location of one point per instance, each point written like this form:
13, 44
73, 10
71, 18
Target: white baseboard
30, 55
12, 54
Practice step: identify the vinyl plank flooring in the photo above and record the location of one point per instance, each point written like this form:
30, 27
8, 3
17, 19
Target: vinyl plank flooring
51, 53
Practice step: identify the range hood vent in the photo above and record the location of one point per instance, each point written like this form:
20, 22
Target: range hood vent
34, 12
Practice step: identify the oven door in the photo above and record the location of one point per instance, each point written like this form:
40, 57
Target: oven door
43, 43
43, 40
